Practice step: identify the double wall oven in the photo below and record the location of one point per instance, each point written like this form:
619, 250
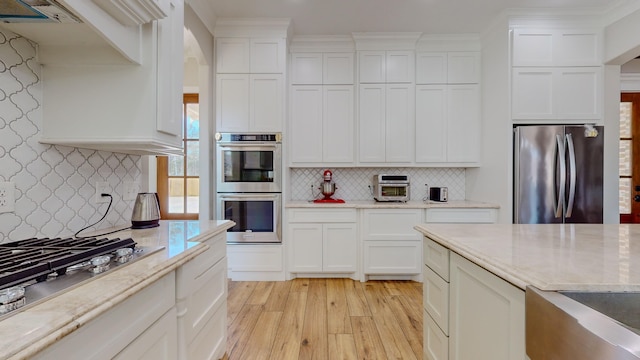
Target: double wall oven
249, 186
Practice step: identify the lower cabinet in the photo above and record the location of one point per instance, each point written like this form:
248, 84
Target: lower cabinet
322, 241
141, 327
469, 313
390, 244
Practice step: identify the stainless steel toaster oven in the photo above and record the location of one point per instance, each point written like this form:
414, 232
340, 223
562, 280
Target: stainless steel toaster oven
391, 187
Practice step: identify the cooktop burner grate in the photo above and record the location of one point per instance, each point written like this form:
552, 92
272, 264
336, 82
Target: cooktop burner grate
36, 258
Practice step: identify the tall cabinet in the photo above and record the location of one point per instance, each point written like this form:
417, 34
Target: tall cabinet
322, 122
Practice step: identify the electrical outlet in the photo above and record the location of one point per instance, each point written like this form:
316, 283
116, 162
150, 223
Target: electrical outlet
102, 187
130, 190
7, 196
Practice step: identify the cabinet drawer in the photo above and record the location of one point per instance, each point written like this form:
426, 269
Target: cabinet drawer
392, 257
435, 342
461, 215
334, 215
436, 257
210, 343
435, 292
391, 224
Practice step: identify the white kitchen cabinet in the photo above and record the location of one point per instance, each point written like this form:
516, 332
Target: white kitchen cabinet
121, 108
330, 68
249, 102
322, 241
242, 55
149, 333
390, 244
386, 123
548, 93
436, 300
435, 342
457, 67
556, 47
447, 124
322, 125
249, 262
386, 66
201, 297
487, 314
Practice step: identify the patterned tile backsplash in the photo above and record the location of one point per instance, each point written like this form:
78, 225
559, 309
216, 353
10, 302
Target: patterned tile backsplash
353, 184
55, 185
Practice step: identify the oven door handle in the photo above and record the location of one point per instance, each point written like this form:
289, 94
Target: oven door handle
248, 196
244, 146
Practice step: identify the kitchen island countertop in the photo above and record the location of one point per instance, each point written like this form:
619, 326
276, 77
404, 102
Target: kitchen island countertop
586, 257
372, 204
28, 331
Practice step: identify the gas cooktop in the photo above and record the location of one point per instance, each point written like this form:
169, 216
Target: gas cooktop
36, 268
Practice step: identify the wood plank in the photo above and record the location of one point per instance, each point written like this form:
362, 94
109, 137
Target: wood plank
375, 293
314, 332
278, 297
410, 319
262, 336
261, 293
338, 321
237, 297
342, 347
356, 299
299, 284
365, 334
287, 342
239, 332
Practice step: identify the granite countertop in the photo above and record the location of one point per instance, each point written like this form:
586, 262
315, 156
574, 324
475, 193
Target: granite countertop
30, 330
371, 204
586, 257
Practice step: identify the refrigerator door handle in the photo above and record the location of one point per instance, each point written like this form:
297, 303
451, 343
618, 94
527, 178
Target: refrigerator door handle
572, 176
559, 200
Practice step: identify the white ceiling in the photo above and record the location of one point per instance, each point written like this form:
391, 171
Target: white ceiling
341, 17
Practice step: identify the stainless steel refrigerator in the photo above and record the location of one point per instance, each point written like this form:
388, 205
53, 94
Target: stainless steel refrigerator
558, 174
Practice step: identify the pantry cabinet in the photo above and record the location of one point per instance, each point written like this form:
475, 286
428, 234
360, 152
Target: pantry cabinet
241, 55
322, 241
322, 125
133, 108
249, 102
329, 68
386, 66
458, 67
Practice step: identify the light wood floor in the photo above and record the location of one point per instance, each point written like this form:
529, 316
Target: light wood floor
324, 319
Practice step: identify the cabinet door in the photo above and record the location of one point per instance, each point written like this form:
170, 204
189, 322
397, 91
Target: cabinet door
486, 315
306, 124
392, 257
435, 342
170, 56
532, 93
372, 123
431, 68
338, 124
267, 56
306, 68
463, 133
532, 47
340, 247
578, 47
431, 123
266, 103
158, 342
338, 69
232, 102
232, 55
305, 244
400, 67
372, 66
577, 91
463, 67
391, 224
400, 121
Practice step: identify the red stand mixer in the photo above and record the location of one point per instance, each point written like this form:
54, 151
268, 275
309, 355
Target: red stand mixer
328, 188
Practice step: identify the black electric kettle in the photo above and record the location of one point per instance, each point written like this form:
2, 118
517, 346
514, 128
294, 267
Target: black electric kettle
146, 211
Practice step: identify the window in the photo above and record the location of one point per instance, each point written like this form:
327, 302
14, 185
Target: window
179, 176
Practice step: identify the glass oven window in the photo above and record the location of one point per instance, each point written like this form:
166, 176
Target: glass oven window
248, 166
394, 191
257, 216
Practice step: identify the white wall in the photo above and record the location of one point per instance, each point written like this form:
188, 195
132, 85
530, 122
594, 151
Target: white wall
55, 185
492, 182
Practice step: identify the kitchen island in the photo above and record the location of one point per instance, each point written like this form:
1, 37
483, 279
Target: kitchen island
476, 275
40, 326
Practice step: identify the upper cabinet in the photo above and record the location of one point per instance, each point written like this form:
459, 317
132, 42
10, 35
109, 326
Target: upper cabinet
458, 67
250, 72
386, 66
133, 109
556, 75
330, 68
